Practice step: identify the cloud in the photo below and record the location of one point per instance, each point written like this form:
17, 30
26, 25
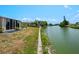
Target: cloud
41, 18
77, 14
54, 20
49, 20
75, 17
37, 18
67, 7
26, 19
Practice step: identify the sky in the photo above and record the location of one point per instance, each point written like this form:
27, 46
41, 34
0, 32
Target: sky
51, 13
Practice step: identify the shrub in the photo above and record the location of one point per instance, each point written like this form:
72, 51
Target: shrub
74, 26
0, 29
17, 28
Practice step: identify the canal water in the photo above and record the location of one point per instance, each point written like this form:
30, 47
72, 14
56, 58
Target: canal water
64, 40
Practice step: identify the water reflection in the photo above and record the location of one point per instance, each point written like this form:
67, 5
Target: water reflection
66, 40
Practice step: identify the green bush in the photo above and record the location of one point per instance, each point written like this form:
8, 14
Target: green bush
74, 26
17, 28
0, 30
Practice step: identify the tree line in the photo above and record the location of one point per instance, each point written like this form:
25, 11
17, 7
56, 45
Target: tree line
36, 23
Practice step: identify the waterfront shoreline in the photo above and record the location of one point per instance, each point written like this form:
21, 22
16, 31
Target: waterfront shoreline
47, 47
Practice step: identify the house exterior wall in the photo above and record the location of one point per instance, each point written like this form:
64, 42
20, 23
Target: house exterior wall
9, 24
0, 22
3, 24
19, 25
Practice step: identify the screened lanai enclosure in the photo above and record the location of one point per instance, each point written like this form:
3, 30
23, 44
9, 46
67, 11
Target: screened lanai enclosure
8, 24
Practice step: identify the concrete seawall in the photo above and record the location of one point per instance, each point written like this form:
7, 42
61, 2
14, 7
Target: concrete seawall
39, 49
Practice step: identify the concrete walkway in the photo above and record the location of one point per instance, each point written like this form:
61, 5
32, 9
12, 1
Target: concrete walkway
39, 49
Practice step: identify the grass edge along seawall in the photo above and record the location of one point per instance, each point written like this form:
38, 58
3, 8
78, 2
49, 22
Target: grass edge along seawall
46, 45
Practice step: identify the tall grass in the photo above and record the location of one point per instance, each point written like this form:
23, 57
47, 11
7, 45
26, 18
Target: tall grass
47, 46
44, 41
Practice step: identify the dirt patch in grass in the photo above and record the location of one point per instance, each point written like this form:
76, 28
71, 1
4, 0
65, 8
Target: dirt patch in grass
24, 41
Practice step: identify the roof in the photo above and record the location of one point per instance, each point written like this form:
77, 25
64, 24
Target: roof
9, 18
